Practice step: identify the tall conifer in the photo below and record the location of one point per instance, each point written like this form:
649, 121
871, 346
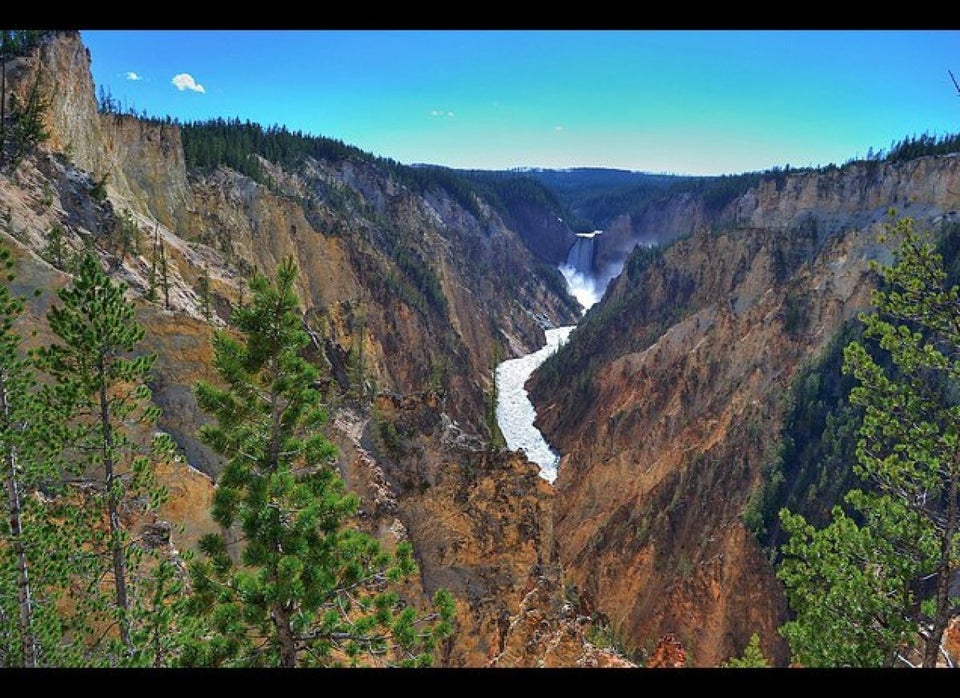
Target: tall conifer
31, 573
99, 385
876, 581
308, 589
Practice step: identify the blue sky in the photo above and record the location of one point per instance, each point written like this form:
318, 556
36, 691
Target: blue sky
676, 101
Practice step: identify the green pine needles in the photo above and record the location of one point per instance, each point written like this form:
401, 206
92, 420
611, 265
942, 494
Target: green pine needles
307, 589
30, 625
872, 588
99, 390
80, 484
290, 582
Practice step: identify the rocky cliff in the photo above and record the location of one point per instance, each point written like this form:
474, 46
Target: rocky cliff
481, 520
666, 403
406, 292
668, 399
448, 285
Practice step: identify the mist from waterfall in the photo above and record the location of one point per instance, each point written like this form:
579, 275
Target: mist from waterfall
584, 287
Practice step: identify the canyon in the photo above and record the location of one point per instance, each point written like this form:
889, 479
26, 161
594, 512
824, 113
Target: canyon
664, 404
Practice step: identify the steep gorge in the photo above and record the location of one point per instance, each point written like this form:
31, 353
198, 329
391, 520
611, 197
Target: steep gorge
665, 403
668, 398
408, 295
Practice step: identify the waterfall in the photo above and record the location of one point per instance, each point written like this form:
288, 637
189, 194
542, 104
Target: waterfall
583, 253
580, 269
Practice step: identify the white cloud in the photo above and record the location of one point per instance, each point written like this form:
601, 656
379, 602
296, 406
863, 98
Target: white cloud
130, 75
440, 112
185, 81
558, 128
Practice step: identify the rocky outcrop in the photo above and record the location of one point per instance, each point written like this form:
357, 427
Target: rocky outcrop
657, 224
480, 519
61, 70
547, 236
140, 162
854, 197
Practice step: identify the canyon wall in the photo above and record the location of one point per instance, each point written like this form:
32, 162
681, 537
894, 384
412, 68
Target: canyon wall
668, 399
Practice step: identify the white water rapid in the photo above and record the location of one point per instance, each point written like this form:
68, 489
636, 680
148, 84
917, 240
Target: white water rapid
515, 412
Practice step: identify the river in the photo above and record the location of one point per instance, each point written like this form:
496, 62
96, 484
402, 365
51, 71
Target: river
515, 412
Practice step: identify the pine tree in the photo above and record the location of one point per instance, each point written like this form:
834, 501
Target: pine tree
128, 235
100, 387
30, 579
56, 248
204, 285
164, 278
29, 129
19, 644
357, 365
752, 657
152, 279
866, 586
309, 589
